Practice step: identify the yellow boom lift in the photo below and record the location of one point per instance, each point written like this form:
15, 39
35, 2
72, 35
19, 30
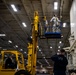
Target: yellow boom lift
32, 48
18, 68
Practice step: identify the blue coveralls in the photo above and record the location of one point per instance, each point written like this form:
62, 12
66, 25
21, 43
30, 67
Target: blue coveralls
60, 63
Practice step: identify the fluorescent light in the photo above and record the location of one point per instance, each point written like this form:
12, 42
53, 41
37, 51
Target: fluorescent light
55, 5
14, 8
64, 24
50, 47
41, 53
39, 62
58, 46
44, 57
62, 36
16, 46
25, 52
58, 50
10, 41
2, 34
21, 49
31, 37
40, 50
60, 42
24, 24
37, 46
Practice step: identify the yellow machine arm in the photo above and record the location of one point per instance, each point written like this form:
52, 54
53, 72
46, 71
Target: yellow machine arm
32, 48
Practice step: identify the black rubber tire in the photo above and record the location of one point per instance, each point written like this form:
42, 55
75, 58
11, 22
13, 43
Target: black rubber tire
24, 72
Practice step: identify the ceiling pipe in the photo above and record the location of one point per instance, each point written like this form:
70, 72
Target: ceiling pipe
61, 8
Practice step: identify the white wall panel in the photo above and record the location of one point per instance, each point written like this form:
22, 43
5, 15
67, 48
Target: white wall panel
73, 18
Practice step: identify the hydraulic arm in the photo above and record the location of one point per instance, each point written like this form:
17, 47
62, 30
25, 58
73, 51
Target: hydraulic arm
32, 53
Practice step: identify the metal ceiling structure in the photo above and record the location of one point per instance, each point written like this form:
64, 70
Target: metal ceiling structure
11, 25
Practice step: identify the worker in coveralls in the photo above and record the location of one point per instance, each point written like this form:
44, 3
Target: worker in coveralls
56, 24
60, 63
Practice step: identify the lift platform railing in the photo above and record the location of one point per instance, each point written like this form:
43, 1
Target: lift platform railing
46, 31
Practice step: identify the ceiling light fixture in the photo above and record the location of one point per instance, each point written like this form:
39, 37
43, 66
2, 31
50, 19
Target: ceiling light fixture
55, 5
44, 57
2, 34
16, 46
39, 62
10, 41
60, 42
24, 24
31, 37
37, 46
58, 46
50, 47
40, 50
64, 24
62, 36
13, 7
21, 49
58, 50
41, 53
25, 52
